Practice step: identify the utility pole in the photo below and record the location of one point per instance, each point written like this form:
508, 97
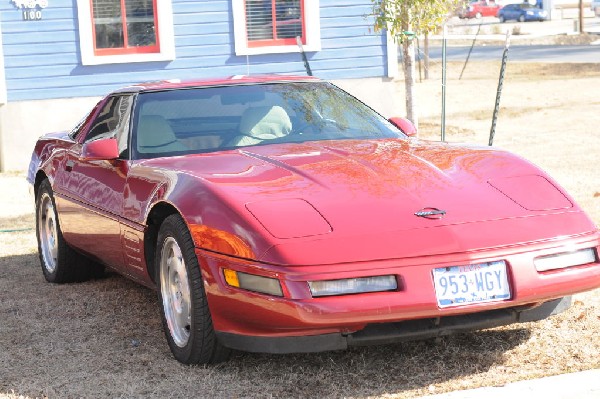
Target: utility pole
426, 56
580, 16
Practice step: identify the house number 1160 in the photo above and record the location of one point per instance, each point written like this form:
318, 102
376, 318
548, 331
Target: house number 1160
32, 15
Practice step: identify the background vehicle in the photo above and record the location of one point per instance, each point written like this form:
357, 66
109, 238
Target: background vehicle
522, 12
595, 7
478, 9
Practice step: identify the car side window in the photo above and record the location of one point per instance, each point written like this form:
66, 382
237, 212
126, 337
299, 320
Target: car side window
113, 121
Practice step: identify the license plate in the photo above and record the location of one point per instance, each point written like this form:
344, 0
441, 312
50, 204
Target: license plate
463, 285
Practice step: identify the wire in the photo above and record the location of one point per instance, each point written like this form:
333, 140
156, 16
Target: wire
16, 230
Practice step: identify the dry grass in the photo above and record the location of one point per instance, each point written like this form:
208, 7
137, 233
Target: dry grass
103, 338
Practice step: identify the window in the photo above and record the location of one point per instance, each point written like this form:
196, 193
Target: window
118, 31
274, 22
124, 26
113, 121
271, 26
199, 120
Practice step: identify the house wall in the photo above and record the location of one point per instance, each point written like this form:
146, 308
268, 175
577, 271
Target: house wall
49, 89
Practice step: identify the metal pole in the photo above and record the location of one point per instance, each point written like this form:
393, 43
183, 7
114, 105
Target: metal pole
426, 51
443, 133
419, 59
499, 92
306, 64
470, 50
581, 16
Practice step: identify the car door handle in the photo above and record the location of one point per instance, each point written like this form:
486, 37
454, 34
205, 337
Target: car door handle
69, 165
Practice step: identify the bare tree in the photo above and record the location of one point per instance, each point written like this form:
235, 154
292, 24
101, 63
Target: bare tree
405, 19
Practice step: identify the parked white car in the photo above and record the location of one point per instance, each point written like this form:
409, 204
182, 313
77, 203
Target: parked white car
596, 7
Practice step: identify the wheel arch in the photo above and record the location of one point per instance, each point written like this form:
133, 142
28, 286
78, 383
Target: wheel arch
40, 176
159, 212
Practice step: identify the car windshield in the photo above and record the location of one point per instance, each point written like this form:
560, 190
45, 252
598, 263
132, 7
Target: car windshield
198, 120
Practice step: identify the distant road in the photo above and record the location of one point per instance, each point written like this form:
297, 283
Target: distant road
538, 53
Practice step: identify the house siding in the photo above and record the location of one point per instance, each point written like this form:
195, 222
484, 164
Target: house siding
43, 61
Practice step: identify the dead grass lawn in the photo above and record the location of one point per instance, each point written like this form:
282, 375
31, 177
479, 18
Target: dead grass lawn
103, 338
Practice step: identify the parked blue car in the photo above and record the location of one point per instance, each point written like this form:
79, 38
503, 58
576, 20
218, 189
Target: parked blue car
522, 12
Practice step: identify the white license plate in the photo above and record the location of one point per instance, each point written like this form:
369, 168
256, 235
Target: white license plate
463, 285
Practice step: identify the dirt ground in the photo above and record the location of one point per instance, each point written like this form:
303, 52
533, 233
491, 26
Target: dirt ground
103, 338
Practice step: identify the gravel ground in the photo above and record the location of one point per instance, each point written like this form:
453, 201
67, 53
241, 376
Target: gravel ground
103, 338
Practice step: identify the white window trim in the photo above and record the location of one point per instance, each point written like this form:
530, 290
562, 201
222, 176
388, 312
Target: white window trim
312, 25
164, 12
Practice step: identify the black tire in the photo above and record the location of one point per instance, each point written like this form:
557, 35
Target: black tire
521, 18
186, 318
502, 19
60, 263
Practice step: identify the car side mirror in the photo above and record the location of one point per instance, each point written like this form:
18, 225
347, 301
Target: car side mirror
101, 149
404, 125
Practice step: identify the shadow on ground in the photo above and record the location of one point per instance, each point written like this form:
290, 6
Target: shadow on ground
103, 338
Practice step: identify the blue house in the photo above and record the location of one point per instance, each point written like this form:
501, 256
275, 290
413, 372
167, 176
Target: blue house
60, 56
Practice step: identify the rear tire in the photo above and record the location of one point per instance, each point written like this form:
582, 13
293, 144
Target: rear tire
502, 19
60, 263
186, 318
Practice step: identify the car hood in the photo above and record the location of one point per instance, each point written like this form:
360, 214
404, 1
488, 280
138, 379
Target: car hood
336, 201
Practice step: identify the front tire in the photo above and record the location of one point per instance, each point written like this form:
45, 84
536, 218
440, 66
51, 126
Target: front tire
60, 263
186, 318
521, 18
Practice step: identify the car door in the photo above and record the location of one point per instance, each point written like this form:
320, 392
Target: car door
91, 196
491, 10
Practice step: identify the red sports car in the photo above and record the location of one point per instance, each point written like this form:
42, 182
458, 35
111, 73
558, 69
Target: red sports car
280, 214
478, 9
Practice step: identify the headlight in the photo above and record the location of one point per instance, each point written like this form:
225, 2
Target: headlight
352, 285
252, 282
565, 259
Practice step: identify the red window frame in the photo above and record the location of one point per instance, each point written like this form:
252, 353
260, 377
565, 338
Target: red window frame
126, 49
275, 41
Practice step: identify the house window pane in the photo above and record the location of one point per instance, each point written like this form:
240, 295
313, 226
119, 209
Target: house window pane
259, 14
136, 30
108, 24
289, 19
141, 30
273, 20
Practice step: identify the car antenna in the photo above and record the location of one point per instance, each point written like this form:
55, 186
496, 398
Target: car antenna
306, 64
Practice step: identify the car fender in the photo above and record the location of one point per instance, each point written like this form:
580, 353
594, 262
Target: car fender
216, 224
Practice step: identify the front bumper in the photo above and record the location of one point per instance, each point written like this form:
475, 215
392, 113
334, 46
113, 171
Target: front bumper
534, 17
379, 334
298, 322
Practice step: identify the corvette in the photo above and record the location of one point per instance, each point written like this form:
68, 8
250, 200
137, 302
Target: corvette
280, 214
